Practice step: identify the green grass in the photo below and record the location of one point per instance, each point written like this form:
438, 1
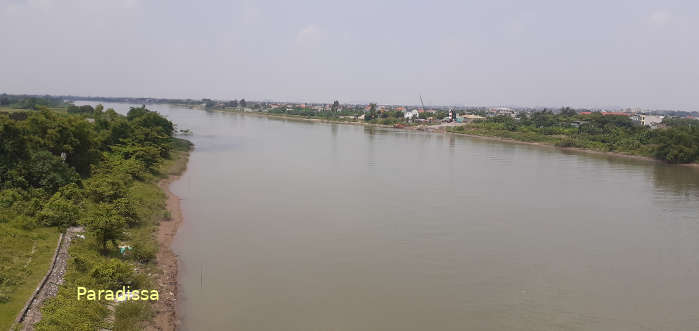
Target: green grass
65, 311
132, 316
179, 157
26, 251
20, 269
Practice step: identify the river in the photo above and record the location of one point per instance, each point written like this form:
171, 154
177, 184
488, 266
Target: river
295, 225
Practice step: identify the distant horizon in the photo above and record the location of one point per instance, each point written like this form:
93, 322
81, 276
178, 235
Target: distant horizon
269, 100
593, 54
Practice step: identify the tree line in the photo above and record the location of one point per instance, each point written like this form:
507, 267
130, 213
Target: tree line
29, 102
676, 141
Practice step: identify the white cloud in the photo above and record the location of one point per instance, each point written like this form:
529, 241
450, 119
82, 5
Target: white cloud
660, 17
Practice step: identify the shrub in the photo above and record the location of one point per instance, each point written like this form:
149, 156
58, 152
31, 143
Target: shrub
113, 274
132, 315
48, 171
126, 208
105, 224
8, 197
81, 264
73, 192
677, 154
105, 188
144, 252
59, 211
26, 222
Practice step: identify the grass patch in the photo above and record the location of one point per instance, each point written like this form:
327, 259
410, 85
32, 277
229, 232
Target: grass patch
177, 163
25, 256
132, 315
65, 311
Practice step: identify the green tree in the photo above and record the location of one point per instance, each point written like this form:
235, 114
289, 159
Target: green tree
371, 114
13, 146
105, 224
113, 274
126, 208
59, 211
105, 188
567, 111
48, 171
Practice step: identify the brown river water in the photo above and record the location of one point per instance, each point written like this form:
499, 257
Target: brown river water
294, 225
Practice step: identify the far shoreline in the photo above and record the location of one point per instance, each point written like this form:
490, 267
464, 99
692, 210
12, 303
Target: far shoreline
574, 149
470, 135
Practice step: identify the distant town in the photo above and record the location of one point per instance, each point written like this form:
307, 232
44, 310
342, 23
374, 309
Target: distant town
668, 135
395, 114
647, 117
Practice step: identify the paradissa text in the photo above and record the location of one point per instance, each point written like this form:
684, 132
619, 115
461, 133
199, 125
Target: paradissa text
125, 294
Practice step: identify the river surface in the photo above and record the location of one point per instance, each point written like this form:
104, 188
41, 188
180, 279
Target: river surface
294, 225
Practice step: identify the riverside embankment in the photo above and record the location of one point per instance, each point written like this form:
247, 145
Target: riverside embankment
166, 308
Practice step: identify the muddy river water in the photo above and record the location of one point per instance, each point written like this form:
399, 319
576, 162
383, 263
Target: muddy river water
293, 225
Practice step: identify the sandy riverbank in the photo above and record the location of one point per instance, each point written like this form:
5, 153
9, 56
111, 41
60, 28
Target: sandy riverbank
166, 308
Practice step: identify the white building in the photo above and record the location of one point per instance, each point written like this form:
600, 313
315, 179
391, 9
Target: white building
411, 114
651, 120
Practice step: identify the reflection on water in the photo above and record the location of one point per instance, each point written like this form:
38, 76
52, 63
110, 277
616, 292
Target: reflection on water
303, 227
682, 183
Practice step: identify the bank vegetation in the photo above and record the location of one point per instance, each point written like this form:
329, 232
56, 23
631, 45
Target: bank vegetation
86, 167
674, 141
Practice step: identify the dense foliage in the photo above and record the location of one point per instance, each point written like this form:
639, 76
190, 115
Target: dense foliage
29, 102
677, 141
87, 167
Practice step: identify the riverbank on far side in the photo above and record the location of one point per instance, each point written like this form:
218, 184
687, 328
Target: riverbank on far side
442, 129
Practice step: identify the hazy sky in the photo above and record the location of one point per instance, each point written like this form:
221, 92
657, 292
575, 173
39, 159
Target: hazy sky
533, 53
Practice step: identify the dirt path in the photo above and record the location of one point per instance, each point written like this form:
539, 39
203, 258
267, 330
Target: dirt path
166, 308
48, 287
